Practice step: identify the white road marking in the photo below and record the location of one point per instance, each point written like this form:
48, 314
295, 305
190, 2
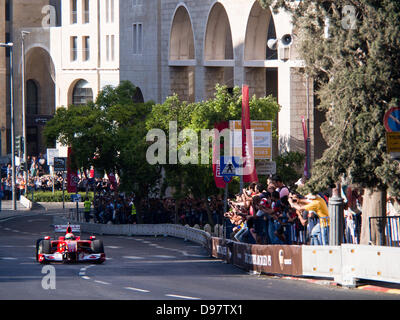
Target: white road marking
136, 289
181, 297
86, 277
101, 282
133, 257
8, 258
113, 247
164, 257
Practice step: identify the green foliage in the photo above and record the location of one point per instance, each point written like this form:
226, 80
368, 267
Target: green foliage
198, 179
289, 166
110, 135
48, 196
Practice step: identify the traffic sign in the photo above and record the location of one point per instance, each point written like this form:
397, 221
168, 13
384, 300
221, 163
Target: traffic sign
60, 164
266, 168
393, 144
392, 120
229, 167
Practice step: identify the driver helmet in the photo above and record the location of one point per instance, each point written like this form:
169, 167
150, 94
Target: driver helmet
69, 236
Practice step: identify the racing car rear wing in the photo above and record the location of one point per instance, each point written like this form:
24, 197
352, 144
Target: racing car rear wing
63, 228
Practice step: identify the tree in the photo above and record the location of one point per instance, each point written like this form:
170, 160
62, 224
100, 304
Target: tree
109, 134
197, 179
350, 47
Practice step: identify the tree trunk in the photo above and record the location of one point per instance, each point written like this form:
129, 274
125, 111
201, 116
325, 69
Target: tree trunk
374, 205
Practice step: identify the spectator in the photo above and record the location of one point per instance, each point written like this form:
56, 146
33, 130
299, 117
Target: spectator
318, 206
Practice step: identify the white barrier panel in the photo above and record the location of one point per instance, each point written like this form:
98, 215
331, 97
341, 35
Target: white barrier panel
25, 202
178, 231
371, 262
321, 261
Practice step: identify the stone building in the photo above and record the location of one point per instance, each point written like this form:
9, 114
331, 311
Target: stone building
18, 16
76, 47
187, 47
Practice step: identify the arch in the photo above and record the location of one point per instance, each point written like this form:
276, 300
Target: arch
138, 97
81, 93
260, 28
38, 49
218, 43
181, 36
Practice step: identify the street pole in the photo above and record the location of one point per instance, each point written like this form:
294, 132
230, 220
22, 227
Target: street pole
23, 34
10, 45
308, 151
336, 217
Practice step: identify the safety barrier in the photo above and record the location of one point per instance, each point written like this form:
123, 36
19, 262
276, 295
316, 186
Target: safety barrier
345, 264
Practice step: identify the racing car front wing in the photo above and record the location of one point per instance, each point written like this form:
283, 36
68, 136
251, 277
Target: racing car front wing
59, 257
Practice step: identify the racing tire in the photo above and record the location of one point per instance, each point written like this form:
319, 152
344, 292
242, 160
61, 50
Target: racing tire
97, 246
46, 246
37, 248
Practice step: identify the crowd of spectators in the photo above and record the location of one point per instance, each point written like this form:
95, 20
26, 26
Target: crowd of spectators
270, 214
278, 215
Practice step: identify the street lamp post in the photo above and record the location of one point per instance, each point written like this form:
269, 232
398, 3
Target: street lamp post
10, 45
23, 34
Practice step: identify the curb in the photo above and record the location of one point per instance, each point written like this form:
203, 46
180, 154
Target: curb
379, 289
367, 287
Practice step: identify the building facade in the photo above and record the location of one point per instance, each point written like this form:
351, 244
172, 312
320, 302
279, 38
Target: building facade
25, 16
187, 47
76, 47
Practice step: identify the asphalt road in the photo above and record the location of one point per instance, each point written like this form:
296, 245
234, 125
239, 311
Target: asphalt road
142, 268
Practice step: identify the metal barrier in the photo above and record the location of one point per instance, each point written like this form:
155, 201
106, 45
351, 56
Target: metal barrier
345, 263
76, 215
391, 227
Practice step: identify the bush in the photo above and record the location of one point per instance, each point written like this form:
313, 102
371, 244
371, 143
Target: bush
48, 196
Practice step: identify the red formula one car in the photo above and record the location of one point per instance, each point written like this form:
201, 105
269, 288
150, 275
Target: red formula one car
69, 248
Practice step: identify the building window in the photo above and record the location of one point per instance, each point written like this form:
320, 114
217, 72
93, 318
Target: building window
110, 11
82, 93
137, 38
8, 10
74, 11
32, 98
110, 47
74, 48
86, 11
86, 48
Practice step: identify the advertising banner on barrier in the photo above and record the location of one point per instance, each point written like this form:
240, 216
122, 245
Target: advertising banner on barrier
222, 249
278, 259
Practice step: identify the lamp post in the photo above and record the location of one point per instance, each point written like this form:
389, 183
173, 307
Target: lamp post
10, 45
23, 34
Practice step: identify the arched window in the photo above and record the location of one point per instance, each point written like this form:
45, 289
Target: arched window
32, 97
138, 97
82, 93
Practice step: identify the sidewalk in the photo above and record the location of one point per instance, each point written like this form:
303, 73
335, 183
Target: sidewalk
7, 211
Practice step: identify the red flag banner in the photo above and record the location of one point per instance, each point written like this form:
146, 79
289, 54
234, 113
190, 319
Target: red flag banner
72, 176
249, 172
305, 133
219, 179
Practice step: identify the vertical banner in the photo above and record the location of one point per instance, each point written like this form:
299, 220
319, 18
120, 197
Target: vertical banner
305, 133
219, 179
250, 174
72, 176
